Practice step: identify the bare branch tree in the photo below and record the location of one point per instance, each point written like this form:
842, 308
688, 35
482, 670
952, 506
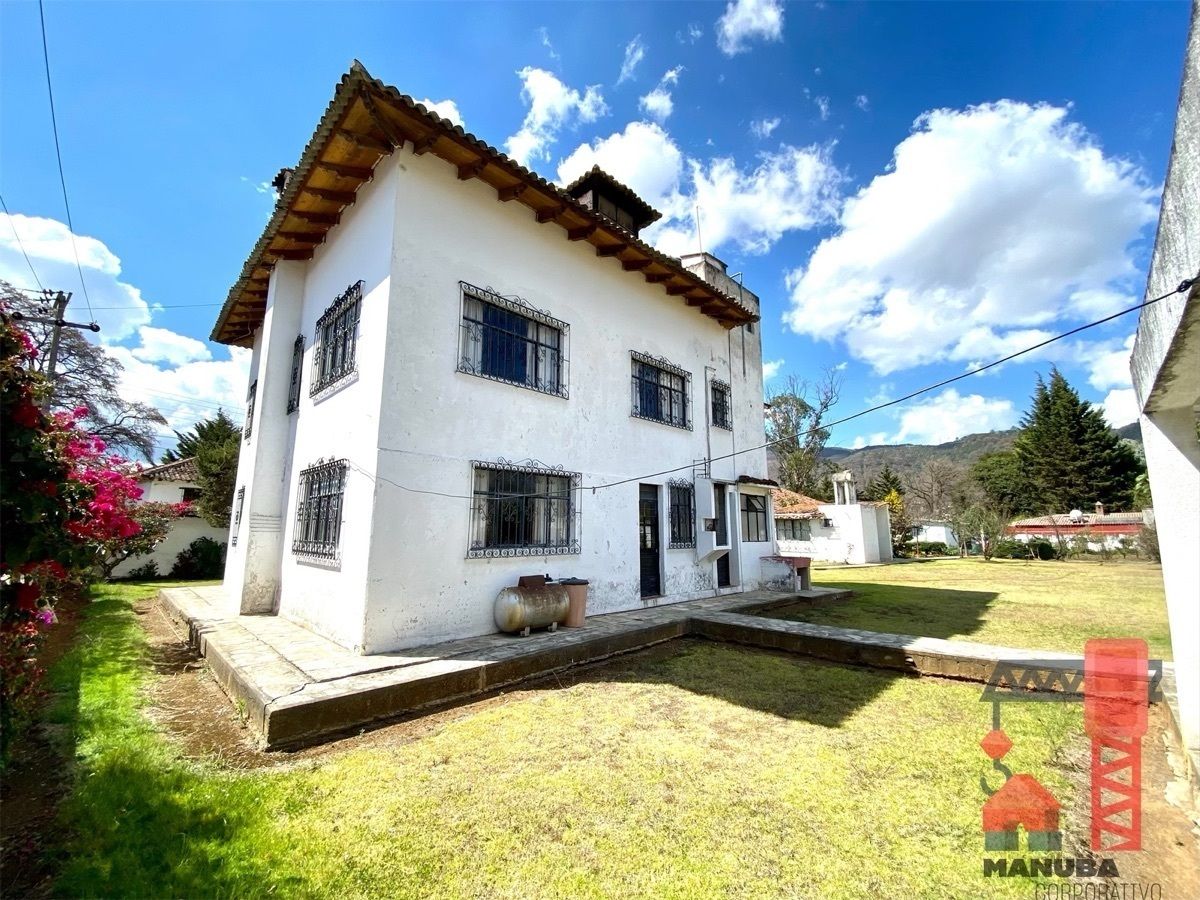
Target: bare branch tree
86, 376
794, 421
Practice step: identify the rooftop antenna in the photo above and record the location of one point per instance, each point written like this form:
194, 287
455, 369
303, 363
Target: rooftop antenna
699, 238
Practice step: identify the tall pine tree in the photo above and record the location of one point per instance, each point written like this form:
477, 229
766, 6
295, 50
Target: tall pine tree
1069, 455
883, 484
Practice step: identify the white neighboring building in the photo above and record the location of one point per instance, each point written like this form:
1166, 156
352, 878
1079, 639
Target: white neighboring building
845, 531
448, 354
173, 482
1166, 376
935, 531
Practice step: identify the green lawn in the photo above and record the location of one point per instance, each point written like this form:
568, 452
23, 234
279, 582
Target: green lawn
1015, 603
709, 771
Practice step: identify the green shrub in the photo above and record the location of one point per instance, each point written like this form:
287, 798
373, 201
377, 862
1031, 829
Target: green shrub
930, 548
145, 572
203, 558
1147, 542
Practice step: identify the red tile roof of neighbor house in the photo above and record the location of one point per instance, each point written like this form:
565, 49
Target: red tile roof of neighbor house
368, 120
791, 505
180, 470
1088, 520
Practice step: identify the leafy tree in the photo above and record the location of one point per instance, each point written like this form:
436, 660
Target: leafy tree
1003, 481
985, 524
217, 464
794, 425
87, 378
931, 491
217, 430
899, 522
1141, 492
154, 522
883, 484
1069, 455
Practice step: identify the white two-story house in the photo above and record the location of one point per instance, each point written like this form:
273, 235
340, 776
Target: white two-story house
462, 374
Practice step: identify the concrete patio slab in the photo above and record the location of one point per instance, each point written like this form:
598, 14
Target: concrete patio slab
295, 687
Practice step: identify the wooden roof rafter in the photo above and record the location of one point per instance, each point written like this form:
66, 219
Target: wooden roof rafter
367, 120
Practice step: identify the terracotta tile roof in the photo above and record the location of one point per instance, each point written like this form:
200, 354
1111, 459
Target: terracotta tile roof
1063, 520
597, 177
180, 470
791, 505
367, 120
765, 482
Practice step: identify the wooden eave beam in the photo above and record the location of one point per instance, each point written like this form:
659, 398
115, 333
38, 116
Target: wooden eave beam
550, 213
612, 250
315, 218
676, 290
424, 144
362, 173
366, 141
582, 233
303, 237
343, 197
471, 169
635, 265
658, 277
512, 192
305, 253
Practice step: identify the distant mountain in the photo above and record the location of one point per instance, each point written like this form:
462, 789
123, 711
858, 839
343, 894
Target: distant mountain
907, 459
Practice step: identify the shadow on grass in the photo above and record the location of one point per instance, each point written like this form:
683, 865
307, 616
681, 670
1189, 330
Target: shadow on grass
141, 821
896, 609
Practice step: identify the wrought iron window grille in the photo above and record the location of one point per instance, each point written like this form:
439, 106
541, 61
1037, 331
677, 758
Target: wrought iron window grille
682, 509
523, 509
237, 515
721, 405
321, 490
335, 342
297, 374
503, 338
661, 391
248, 427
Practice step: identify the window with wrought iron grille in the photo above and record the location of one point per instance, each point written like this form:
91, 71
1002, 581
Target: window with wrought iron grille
504, 339
248, 425
336, 340
523, 510
297, 374
319, 510
237, 514
682, 507
793, 530
754, 518
660, 391
720, 405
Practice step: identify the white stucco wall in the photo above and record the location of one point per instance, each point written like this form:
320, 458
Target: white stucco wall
936, 532
183, 531
1165, 366
437, 420
857, 534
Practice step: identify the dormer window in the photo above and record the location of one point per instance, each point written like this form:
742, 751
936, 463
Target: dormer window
618, 203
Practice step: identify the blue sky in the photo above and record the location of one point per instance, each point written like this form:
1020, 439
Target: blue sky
909, 188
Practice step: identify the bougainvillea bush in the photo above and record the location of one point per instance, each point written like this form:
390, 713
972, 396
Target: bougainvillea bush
66, 511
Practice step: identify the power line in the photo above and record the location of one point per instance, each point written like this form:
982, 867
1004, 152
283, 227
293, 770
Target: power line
13, 226
58, 153
1183, 286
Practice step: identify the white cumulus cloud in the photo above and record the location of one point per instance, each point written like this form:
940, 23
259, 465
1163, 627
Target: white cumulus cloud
447, 109
162, 345
793, 188
119, 306
762, 128
862, 102
771, 368
552, 106
990, 222
950, 415
658, 104
635, 52
747, 20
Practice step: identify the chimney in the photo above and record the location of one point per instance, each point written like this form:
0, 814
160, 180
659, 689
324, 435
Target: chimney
281, 179
1099, 508
708, 268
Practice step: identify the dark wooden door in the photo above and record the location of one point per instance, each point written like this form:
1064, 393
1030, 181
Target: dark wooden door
648, 540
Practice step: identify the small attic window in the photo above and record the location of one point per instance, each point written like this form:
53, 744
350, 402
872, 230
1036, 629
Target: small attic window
608, 208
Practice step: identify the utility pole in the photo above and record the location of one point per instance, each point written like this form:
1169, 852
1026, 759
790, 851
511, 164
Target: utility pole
57, 323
